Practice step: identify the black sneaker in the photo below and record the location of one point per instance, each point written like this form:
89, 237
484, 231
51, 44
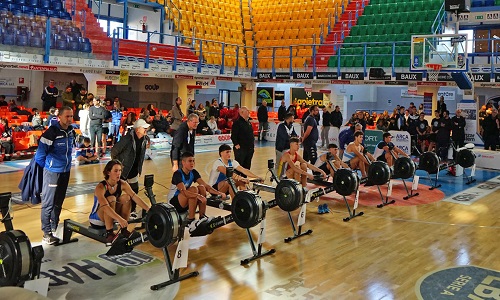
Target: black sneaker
49, 239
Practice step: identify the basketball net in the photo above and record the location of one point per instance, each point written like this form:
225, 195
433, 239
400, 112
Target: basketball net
433, 71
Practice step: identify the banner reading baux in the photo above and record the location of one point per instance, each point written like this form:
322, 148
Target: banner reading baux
309, 98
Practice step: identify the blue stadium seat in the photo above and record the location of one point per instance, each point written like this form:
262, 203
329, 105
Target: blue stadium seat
57, 5
489, 3
85, 46
33, 3
22, 39
36, 41
20, 2
9, 39
61, 44
44, 3
74, 46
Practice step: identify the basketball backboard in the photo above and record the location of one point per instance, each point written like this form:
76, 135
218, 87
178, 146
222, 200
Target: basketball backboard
449, 50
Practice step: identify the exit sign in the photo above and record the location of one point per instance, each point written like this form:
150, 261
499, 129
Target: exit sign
136, 6
479, 17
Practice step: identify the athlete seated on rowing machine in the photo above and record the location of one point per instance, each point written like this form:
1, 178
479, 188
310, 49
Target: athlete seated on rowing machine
384, 148
185, 197
218, 173
295, 167
112, 201
354, 155
333, 156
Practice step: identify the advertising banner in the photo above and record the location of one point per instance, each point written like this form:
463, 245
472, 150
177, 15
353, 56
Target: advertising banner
265, 94
372, 138
309, 98
402, 140
469, 111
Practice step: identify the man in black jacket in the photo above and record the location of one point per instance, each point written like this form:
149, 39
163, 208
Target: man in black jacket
325, 128
491, 125
282, 111
183, 140
263, 118
243, 139
443, 135
458, 129
49, 96
130, 151
283, 134
336, 118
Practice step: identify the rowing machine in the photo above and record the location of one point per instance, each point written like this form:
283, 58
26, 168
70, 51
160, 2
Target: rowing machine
19, 262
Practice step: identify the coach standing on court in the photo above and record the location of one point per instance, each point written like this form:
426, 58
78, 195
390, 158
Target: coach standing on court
243, 139
311, 135
54, 156
263, 120
183, 140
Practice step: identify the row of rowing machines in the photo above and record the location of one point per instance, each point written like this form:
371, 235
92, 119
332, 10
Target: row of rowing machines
164, 226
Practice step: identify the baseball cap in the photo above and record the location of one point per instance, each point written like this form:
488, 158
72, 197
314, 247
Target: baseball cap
141, 123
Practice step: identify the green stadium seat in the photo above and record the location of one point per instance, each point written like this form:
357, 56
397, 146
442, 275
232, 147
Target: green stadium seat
362, 20
386, 61
355, 30
371, 30
346, 62
358, 61
376, 62
362, 29
358, 50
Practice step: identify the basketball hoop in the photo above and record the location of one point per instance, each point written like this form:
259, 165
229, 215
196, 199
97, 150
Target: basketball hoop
433, 71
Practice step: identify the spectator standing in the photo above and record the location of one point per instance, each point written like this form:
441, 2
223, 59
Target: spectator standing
183, 140
75, 88
458, 129
49, 96
491, 129
84, 120
443, 136
292, 109
97, 114
130, 151
116, 119
177, 115
336, 117
325, 128
67, 97
441, 106
263, 120
207, 109
54, 156
282, 111
422, 126
243, 139
311, 135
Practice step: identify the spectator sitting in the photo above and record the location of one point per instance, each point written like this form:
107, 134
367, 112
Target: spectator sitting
85, 154
393, 124
203, 127
6, 141
160, 126
145, 115
37, 122
2, 101
192, 107
13, 108
222, 124
128, 122
382, 125
52, 117
213, 125
151, 109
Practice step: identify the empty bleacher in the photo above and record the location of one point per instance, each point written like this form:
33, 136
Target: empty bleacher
485, 3
382, 24
283, 23
23, 28
216, 22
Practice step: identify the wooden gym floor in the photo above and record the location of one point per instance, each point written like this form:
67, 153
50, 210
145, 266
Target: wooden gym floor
379, 255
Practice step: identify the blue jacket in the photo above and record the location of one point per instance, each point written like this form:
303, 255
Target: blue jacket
116, 115
31, 183
83, 150
55, 148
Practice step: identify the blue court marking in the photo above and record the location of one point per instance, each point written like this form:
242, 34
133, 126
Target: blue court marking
451, 185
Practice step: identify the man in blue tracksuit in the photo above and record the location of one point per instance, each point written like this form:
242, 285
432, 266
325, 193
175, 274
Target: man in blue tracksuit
54, 155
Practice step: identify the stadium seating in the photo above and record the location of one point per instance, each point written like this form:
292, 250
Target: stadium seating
382, 24
21, 28
285, 23
217, 22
